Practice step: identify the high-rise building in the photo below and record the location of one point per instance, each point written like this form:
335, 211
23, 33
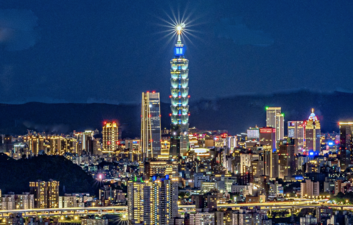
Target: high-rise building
345, 148
296, 130
164, 199
85, 141
268, 137
287, 149
153, 202
151, 125
139, 205
313, 133
270, 158
275, 119
110, 137
46, 193
179, 140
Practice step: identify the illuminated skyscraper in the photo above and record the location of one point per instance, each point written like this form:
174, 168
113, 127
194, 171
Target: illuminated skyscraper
139, 206
164, 199
150, 125
153, 201
345, 150
287, 150
85, 141
313, 133
270, 158
179, 141
275, 119
110, 137
296, 130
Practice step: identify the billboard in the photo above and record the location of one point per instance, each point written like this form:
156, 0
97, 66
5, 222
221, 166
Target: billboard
267, 130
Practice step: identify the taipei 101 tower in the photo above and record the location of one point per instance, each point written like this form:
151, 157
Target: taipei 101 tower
179, 140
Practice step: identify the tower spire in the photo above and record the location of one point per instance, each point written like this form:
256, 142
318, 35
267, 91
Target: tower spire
179, 28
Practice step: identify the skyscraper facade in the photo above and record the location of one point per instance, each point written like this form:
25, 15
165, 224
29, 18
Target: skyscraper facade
287, 150
164, 199
139, 209
46, 193
275, 119
345, 149
153, 201
110, 137
179, 140
150, 125
313, 133
296, 130
270, 158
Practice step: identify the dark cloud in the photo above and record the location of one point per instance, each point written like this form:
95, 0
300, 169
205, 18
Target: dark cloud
235, 29
17, 29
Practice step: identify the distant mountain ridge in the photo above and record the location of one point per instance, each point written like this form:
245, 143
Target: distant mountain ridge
234, 114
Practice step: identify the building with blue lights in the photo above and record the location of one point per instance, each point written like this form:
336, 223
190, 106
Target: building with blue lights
179, 141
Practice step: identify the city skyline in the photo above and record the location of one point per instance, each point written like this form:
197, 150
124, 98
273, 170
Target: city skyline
269, 158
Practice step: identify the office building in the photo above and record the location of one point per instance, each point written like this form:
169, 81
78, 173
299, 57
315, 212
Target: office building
46, 193
110, 137
296, 130
313, 133
275, 119
151, 125
287, 150
268, 163
345, 147
160, 167
134, 146
179, 140
268, 137
269, 159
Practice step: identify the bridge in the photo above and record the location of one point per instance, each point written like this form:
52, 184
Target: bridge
74, 211
105, 210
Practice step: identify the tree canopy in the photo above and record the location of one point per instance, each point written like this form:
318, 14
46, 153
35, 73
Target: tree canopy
16, 174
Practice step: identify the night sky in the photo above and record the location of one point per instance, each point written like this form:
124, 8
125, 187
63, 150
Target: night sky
112, 50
